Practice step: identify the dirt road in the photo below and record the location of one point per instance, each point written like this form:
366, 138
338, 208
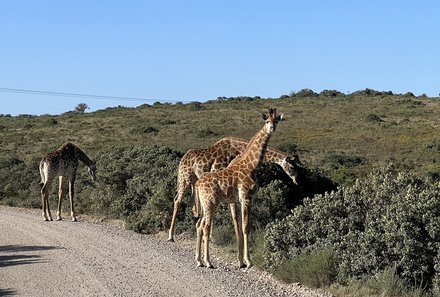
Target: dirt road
64, 258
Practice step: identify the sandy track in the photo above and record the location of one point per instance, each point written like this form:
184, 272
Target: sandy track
66, 258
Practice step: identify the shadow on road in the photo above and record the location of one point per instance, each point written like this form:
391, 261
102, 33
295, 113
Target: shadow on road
10, 255
25, 248
7, 292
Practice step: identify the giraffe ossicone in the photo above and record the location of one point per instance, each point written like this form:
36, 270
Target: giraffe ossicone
62, 163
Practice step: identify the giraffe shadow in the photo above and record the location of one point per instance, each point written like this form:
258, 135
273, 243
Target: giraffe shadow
12, 255
7, 292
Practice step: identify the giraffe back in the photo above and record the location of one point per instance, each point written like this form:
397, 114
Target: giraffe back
62, 162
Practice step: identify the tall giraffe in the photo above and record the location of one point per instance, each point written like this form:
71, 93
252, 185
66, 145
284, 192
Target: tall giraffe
198, 161
62, 163
235, 183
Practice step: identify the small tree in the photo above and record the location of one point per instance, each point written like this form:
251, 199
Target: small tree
81, 108
306, 93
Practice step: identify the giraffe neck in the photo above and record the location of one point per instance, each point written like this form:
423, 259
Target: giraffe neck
275, 156
80, 155
254, 153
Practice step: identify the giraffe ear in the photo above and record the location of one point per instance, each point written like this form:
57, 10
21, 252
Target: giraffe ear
264, 116
279, 117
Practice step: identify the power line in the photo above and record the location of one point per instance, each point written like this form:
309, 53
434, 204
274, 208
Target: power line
103, 97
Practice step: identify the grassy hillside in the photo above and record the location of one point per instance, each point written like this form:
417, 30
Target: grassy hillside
346, 136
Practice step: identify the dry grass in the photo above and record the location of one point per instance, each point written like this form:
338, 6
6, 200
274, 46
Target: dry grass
320, 127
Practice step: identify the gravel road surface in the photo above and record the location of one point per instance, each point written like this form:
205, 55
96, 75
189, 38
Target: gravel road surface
86, 258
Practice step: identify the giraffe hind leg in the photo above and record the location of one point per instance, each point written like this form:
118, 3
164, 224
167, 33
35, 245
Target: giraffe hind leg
206, 228
199, 242
43, 203
45, 200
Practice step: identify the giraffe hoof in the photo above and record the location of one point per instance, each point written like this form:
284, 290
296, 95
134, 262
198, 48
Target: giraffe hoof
200, 264
170, 239
242, 265
74, 220
59, 219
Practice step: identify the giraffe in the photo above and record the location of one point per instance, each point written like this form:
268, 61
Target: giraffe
198, 161
235, 183
62, 163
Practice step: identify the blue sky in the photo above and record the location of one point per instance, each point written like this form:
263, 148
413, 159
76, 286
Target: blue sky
200, 50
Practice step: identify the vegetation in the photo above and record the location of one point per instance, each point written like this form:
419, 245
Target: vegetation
348, 224
81, 108
386, 221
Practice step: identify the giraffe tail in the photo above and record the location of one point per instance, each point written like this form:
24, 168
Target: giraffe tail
196, 208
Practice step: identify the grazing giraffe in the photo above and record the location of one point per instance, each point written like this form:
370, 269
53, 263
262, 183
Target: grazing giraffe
235, 183
198, 161
62, 163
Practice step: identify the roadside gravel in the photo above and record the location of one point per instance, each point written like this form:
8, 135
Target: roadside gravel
87, 258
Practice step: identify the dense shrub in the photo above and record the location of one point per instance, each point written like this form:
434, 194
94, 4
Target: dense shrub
143, 129
314, 270
371, 92
331, 93
137, 184
311, 181
305, 93
374, 118
206, 132
387, 220
270, 203
19, 183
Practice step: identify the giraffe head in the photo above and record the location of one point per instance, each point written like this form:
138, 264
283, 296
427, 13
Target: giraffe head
291, 168
272, 120
92, 170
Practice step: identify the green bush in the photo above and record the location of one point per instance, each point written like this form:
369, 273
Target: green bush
385, 283
314, 270
269, 203
137, 184
374, 118
331, 93
305, 93
19, 183
223, 235
387, 220
436, 280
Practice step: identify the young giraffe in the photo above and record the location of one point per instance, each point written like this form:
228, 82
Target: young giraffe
198, 161
62, 163
236, 183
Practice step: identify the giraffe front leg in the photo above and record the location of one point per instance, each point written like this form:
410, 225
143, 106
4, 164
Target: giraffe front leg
71, 196
60, 197
206, 233
176, 206
238, 232
245, 209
